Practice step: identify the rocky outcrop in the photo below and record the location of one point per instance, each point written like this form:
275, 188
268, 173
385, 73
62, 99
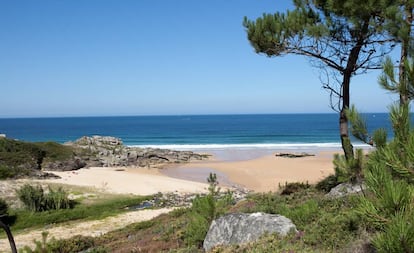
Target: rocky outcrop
293, 155
74, 163
239, 228
106, 151
345, 189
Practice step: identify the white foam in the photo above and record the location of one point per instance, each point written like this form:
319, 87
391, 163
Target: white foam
279, 146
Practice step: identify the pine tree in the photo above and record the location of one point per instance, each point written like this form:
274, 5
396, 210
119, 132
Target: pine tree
343, 38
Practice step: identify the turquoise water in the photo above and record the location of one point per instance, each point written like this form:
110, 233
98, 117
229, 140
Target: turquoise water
193, 132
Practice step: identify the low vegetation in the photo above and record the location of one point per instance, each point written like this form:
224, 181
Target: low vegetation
36, 199
325, 225
20, 159
80, 210
4, 208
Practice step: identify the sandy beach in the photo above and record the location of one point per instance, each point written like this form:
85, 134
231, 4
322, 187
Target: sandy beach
139, 181
259, 174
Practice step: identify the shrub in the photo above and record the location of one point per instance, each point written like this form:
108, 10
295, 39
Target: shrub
32, 197
35, 199
7, 172
77, 243
398, 235
290, 188
327, 183
4, 208
204, 210
57, 199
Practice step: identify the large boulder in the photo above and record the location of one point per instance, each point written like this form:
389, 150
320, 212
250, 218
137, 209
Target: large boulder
239, 228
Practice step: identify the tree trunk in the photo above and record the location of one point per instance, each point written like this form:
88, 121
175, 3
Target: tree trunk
406, 38
9, 236
346, 84
343, 119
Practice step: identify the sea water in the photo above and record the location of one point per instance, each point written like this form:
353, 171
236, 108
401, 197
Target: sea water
195, 132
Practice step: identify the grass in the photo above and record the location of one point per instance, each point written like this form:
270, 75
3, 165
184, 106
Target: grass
324, 225
96, 210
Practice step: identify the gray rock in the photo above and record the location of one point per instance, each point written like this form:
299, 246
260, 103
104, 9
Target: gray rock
107, 151
345, 189
239, 228
73, 163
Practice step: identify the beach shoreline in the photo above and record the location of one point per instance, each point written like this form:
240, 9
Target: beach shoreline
260, 171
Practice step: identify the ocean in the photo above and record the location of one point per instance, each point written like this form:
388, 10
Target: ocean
194, 132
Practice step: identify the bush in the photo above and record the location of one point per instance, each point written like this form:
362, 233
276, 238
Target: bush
290, 188
6, 172
77, 243
57, 199
36, 200
398, 235
4, 208
204, 210
32, 197
327, 183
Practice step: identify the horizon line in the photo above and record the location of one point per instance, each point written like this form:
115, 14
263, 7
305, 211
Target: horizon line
171, 115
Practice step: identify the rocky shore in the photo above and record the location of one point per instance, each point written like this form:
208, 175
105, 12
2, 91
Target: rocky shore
107, 151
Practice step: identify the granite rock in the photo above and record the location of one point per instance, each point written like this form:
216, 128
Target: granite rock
240, 228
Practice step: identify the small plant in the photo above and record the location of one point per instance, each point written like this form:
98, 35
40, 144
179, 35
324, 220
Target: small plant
36, 200
327, 183
4, 208
290, 188
32, 197
204, 210
77, 243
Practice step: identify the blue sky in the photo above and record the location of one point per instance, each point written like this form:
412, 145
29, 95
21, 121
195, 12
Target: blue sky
153, 57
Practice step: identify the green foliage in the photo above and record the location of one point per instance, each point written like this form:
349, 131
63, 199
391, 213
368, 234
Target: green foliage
32, 197
54, 151
204, 210
334, 220
349, 170
77, 243
57, 199
398, 235
17, 154
19, 158
388, 205
36, 200
404, 85
4, 208
196, 230
93, 211
327, 183
6, 172
379, 137
290, 188
344, 38
358, 125
359, 129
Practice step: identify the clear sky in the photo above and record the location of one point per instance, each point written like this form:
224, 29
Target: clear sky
153, 57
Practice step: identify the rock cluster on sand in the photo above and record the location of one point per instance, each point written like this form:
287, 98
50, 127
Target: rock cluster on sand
239, 228
106, 151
